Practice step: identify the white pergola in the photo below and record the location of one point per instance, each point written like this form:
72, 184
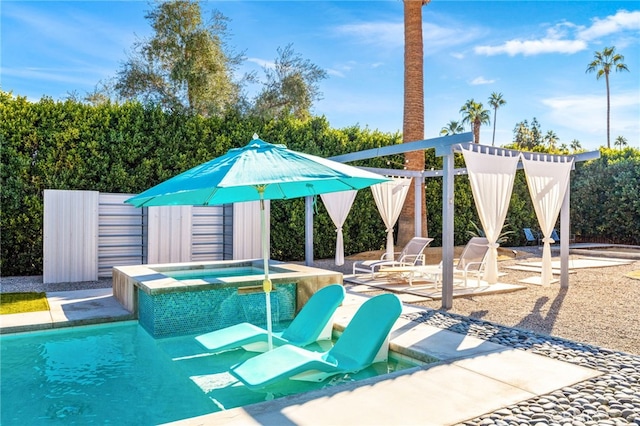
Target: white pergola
446, 147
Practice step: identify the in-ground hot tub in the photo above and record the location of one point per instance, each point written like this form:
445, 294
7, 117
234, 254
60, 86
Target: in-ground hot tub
196, 297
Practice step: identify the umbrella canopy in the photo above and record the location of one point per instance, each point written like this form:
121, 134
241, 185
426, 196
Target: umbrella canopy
258, 171
235, 176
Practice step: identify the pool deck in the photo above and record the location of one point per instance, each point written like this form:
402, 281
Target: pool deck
473, 376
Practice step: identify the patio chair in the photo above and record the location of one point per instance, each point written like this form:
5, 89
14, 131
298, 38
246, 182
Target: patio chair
359, 346
531, 236
411, 255
313, 323
472, 261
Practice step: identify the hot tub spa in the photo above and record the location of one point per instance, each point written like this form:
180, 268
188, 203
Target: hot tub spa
187, 298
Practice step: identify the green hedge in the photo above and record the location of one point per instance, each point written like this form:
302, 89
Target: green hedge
130, 147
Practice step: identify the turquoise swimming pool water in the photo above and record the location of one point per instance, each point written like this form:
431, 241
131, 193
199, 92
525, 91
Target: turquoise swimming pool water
118, 374
212, 273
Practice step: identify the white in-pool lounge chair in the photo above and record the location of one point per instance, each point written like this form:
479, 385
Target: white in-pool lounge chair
411, 255
361, 344
313, 323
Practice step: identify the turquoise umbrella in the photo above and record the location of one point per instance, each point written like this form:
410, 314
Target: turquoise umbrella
259, 171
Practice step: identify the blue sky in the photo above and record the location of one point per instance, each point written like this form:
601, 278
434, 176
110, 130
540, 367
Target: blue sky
533, 52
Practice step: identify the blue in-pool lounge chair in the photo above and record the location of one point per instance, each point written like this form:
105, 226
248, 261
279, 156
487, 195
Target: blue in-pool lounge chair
359, 346
313, 323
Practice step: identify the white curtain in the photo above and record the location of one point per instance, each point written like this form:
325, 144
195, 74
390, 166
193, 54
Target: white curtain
491, 177
548, 179
338, 205
389, 197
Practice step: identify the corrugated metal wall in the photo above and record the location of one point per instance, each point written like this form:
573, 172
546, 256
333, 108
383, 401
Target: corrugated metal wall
120, 236
70, 236
169, 234
87, 233
247, 241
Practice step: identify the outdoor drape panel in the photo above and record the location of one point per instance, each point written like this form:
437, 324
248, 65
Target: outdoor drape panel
389, 197
491, 177
338, 205
548, 179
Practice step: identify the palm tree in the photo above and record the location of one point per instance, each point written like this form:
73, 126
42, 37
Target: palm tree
575, 145
621, 142
602, 64
475, 114
551, 139
496, 101
452, 128
413, 119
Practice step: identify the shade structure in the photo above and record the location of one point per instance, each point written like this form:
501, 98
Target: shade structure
258, 171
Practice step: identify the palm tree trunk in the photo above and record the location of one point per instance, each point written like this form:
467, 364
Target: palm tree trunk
413, 119
493, 139
606, 76
476, 131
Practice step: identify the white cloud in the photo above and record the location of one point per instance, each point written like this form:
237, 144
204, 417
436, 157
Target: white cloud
621, 21
565, 37
533, 47
390, 35
587, 113
335, 73
480, 81
387, 34
262, 62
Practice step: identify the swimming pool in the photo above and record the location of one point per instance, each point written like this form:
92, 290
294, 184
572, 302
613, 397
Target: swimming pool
119, 374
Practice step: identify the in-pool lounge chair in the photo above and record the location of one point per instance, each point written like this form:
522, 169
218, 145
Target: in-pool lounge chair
313, 323
360, 345
411, 255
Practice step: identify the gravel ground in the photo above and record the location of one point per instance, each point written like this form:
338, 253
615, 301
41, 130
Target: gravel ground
599, 307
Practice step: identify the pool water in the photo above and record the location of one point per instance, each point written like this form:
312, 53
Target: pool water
119, 374
190, 274
215, 273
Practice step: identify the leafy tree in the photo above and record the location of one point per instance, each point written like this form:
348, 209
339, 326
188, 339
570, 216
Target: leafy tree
184, 65
620, 142
474, 114
291, 86
496, 101
413, 116
452, 128
603, 63
528, 137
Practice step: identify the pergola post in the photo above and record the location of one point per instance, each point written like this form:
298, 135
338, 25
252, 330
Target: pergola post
564, 238
447, 230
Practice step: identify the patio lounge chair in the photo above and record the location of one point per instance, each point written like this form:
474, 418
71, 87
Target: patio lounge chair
410, 255
471, 261
531, 237
359, 346
313, 323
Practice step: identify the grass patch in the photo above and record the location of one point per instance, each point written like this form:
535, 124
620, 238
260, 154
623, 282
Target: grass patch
18, 303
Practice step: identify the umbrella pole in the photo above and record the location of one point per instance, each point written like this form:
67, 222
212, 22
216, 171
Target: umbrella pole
266, 284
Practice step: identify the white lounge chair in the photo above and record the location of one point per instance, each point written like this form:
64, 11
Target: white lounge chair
411, 255
471, 262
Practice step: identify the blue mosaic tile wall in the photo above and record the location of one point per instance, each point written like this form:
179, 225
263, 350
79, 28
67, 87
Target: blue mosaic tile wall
180, 313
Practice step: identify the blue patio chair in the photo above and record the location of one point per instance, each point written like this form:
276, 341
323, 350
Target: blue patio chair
531, 236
